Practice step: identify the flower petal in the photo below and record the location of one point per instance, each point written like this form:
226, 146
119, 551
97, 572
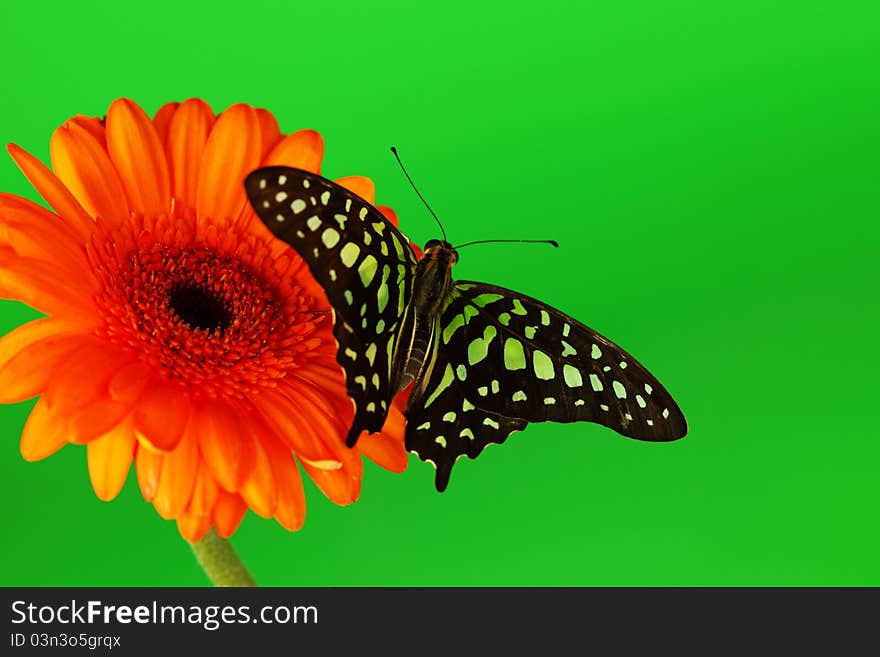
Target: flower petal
54, 191
139, 156
162, 119
291, 426
95, 419
360, 185
25, 373
340, 486
229, 511
387, 449
85, 168
34, 232
27, 334
43, 434
270, 135
110, 459
303, 149
232, 151
187, 134
225, 442
323, 421
36, 283
161, 415
93, 125
205, 491
258, 488
130, 381
148, 465
178, 478
389, 214
193, 527
82, 376
290, 511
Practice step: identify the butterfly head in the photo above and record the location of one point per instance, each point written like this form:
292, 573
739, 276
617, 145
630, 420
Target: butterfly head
441, 250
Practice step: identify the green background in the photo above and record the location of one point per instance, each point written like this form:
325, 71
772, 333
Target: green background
712, 174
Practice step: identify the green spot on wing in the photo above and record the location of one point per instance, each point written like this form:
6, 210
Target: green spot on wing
483, 300
543, 365
367, 270
478, 349
458, 321
514, 356
349, 253
572, 376
448, 378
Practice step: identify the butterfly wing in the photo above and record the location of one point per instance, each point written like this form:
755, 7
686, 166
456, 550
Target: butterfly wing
504, 359
363, 262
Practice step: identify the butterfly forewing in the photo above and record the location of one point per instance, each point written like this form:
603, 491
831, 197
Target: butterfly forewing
363, 262
504, 359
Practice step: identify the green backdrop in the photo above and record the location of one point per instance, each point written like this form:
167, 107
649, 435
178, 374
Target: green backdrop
712, 175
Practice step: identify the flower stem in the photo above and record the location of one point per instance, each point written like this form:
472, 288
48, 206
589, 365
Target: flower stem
220, 562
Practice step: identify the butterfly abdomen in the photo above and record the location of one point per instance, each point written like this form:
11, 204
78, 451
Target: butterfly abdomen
431, 283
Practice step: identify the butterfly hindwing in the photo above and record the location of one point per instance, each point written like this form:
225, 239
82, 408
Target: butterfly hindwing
362, 261
504, 359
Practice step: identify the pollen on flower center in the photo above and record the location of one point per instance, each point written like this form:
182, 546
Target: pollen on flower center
207, 312
198, 307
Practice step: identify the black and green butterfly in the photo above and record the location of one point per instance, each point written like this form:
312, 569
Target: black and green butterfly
485, 361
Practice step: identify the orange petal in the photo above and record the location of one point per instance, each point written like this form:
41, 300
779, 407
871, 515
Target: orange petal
26, 372
38, 284
228, 513
389, 214
85, 168
162, 119
43, 433
323, 421
110, 460
82, 376
270, 135
161, 415
54, 191
232, 151
303, 149
193, 527
34, 232
291, 426
205, 491
27, 334
130, 381
360, 185
386, 449
93, 125
177, 478
139, 156
225, 442
290, 511
187, 133
258, 489
95, 419
148, 464
340, 486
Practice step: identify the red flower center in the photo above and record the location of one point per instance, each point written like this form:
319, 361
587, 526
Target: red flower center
226, 323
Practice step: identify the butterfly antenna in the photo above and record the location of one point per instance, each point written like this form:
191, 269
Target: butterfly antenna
552, 243
416, 189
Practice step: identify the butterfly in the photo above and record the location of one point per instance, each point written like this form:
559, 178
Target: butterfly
483, 361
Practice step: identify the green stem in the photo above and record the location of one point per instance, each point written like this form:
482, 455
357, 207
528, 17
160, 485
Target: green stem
221, 563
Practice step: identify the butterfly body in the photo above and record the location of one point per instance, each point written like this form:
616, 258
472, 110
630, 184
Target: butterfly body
431, 282
484, 361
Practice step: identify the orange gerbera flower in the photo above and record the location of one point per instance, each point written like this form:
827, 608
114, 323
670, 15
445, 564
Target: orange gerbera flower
179, 333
